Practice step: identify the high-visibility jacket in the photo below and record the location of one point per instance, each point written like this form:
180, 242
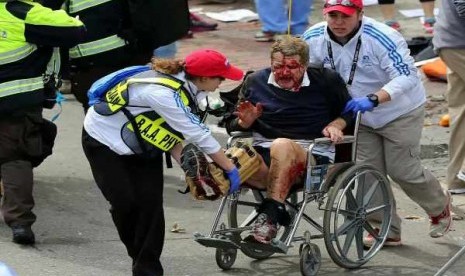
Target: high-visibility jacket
28, 33
117, 30
104, 20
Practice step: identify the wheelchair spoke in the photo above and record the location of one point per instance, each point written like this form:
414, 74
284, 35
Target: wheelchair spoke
371, 230
346, 226
348, 241
359, 242
351, 203
369, 194
376, 209
360, 180
345, 213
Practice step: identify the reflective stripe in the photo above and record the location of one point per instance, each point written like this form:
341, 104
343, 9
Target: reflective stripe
97, 46
155, 133
170, 83
20, 86
79, 5
17, 54
163, 81
117, 97
54, 65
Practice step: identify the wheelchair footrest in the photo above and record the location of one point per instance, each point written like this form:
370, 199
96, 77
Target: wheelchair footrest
218, 241
276, 246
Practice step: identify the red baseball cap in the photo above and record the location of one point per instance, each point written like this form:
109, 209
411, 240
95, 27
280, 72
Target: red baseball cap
345, 6
211, 63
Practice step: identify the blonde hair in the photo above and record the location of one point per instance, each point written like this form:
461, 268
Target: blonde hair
291, 46
167, 66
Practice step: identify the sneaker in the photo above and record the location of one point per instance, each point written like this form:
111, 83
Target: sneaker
22, 234
461, 175
200, 25
457, 191
263, 36
393, 24
264, 230
458, 187
440, 224
369, 240
428, 25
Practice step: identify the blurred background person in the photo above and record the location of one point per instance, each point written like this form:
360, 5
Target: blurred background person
274, 17
388, 9
449, 41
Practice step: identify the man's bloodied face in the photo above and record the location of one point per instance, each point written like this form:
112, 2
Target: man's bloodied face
288, 71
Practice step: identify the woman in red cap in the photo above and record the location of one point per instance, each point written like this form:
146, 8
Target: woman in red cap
162, 106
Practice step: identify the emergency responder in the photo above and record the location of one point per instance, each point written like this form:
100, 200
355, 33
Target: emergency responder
28, 34
115, 39
127, 131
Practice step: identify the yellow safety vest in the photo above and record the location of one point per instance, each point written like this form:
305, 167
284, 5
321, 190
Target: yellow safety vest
156, 134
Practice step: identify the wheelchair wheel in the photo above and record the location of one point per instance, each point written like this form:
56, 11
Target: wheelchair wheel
310, 259
360, 198
334, 174
242, 213
225, 258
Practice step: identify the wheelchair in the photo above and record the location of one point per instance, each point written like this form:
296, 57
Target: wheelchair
344, 191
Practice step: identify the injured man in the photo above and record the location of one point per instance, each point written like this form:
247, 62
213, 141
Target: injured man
284, 106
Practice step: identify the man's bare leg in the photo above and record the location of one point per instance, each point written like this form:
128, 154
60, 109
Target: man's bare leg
288, 164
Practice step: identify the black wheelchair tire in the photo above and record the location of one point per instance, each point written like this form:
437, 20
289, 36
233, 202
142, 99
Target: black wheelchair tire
328, 219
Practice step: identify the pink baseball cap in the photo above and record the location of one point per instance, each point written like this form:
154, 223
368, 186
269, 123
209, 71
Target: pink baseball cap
345, 6
211, 63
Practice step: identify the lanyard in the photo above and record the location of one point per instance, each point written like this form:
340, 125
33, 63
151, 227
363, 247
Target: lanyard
354, 61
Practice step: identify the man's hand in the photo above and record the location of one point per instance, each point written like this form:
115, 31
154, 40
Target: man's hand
359, 104
248, 113
333, 133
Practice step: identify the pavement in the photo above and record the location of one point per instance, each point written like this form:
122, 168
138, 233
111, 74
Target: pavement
75, 234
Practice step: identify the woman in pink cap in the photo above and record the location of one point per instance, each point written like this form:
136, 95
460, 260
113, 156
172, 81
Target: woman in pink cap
162, 106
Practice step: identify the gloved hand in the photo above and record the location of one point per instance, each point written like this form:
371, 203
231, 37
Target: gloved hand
234, 180
359, 104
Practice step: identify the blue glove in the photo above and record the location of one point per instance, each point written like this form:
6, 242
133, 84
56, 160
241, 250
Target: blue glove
234, 180
359, 104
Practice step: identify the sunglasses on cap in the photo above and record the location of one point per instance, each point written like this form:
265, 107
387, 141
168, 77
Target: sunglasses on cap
345, 3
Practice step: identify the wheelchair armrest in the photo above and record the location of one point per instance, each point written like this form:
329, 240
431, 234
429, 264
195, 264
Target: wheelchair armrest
237, 135
347, 139
241, 134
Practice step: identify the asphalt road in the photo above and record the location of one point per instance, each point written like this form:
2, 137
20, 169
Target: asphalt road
76, 237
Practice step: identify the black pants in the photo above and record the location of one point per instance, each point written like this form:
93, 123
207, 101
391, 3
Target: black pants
20, 143
134, 188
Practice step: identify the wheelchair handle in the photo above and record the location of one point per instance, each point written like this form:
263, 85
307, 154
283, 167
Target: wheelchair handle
345, 140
